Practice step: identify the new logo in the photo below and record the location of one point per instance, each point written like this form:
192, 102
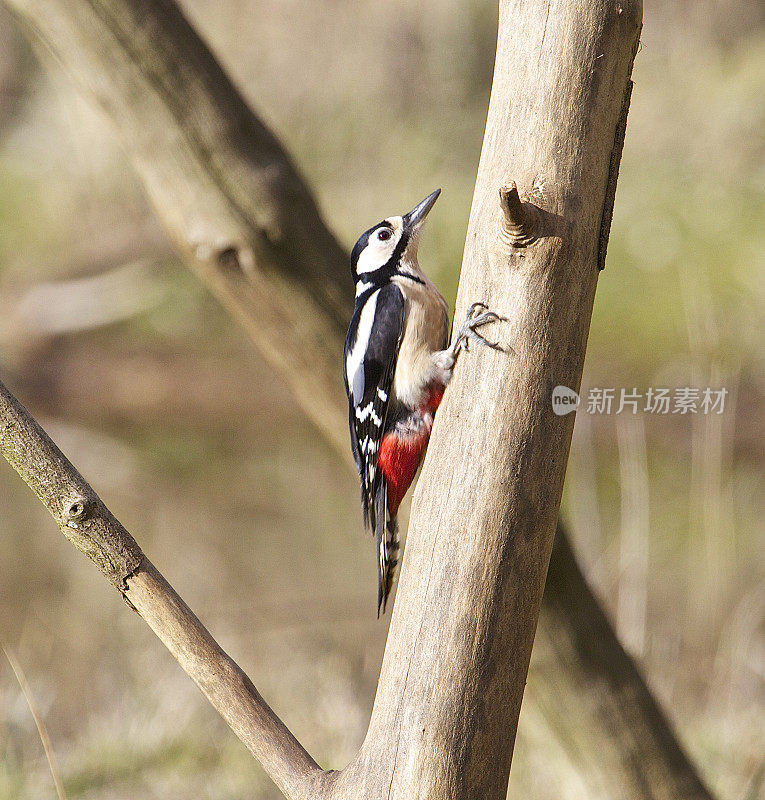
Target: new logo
564, 400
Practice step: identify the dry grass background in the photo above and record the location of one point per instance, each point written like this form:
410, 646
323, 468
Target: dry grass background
197, 447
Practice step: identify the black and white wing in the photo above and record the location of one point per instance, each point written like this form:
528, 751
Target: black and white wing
371, 350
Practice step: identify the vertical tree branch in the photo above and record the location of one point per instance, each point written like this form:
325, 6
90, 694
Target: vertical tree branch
482, 523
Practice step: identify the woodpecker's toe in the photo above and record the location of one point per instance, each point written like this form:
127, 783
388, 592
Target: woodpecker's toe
476, 307
482, 319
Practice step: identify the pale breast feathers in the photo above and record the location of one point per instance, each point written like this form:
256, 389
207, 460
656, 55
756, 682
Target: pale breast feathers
425, 332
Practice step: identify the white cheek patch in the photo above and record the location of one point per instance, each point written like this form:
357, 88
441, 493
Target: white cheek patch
377, 254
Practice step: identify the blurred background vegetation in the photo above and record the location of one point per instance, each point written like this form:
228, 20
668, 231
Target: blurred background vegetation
191, 440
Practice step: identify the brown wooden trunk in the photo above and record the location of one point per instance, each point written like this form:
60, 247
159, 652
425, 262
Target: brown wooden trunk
486, 505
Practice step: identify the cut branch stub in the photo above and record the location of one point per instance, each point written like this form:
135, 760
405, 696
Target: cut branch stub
518, 224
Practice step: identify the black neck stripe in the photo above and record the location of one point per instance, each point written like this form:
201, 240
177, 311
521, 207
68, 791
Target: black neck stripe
409, 275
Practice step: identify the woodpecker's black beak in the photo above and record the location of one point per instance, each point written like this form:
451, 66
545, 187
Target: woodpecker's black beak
414, 219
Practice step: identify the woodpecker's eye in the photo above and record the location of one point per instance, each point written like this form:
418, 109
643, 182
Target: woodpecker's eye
384, 234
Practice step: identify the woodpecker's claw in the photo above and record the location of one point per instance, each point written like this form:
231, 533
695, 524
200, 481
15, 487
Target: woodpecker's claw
474, 307
478, 314
468, 328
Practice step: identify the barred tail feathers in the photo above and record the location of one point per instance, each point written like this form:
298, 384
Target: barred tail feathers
393, 548
386, 530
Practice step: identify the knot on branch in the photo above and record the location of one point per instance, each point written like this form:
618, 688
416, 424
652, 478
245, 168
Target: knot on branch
518, 224
235, 258
230, 257
76, 510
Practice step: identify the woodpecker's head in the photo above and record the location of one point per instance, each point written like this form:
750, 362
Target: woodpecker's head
391, 244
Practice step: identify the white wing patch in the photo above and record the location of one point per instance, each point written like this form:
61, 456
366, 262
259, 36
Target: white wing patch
368, 411
355, 360
370, 361
363, 413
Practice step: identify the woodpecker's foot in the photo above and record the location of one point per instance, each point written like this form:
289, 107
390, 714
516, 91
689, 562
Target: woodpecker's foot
478, 314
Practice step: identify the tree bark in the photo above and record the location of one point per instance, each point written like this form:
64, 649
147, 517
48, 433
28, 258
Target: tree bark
236, 207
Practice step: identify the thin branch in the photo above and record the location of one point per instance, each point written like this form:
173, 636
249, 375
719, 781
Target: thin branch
37, 716
91, 527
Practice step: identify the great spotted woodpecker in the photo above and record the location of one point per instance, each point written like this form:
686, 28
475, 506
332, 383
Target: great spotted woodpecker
396, 368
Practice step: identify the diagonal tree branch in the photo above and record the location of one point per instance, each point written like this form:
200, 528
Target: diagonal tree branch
577, 633
92, 529
235, 206
227, 193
